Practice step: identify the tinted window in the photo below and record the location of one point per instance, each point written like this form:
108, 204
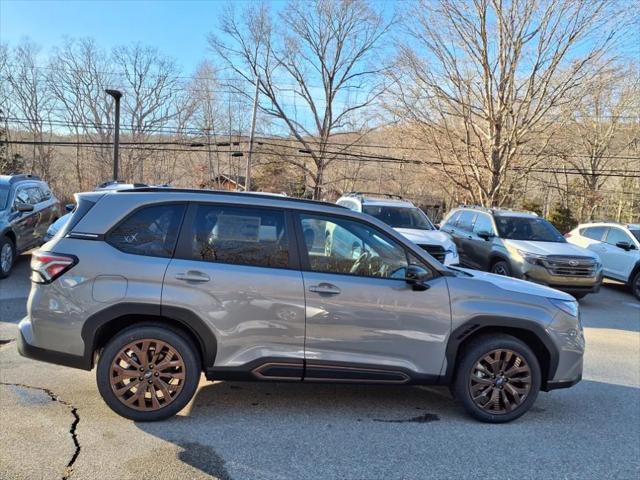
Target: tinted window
400, 217
616, 235
527, 228
635, 233
451, 221
594, 233
465, 222
483, 224
244, 236
347, 247
35, 195
22, 195
150, 231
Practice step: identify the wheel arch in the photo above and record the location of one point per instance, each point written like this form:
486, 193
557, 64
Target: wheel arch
104, 325
634, 272
497, 257
11, 236
529, 332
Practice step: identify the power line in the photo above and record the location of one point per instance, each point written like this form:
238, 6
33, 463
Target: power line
202, 132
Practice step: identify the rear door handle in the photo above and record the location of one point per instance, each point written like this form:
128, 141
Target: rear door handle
193, 276
326, 288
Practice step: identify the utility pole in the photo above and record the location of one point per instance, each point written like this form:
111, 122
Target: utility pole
247, 184
117, 95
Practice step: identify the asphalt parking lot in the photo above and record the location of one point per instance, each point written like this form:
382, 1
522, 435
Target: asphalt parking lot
53, 423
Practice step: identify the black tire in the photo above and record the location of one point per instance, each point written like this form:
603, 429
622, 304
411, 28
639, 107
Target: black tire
176, 340
6, 242
501, 267
578, 296
635, 285
472, 354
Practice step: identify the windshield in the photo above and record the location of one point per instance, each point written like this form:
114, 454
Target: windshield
527, 228
635, 233
4, 196
400, 217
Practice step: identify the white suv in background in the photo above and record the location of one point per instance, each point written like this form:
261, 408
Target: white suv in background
617, 245
407, 219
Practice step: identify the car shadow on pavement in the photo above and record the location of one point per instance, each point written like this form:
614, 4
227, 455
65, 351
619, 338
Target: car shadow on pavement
251, 426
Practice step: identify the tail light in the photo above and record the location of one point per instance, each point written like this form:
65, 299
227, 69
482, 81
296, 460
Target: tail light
47, 266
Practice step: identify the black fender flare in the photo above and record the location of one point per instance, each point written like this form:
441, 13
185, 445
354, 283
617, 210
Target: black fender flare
181, 317
478, 323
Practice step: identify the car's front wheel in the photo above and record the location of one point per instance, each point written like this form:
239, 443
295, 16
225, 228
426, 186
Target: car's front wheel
7, 256
498, 378
501, 267
148, 372
635, 285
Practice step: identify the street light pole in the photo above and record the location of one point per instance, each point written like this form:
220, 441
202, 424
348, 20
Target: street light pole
117, 95
247, 184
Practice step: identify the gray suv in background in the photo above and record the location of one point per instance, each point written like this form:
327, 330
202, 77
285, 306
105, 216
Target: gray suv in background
522, 245
27, 208
154, 286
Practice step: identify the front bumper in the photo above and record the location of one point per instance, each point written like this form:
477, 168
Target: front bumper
569, 284
26, 349
562, 384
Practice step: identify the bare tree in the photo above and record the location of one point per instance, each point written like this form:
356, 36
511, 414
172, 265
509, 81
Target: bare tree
601, 131
152, 100
481, 80
32, 101
319, 54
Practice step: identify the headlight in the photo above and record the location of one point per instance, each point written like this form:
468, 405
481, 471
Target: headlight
531, 258
567, 306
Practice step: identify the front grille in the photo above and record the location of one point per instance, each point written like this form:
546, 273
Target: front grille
570, 266
436, 251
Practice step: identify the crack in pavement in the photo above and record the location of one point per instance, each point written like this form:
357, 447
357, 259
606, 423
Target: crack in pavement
72, 430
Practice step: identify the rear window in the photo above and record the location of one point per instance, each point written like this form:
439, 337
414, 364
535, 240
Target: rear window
150, 231
243, 236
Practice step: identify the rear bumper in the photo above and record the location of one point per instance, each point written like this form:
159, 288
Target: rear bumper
26, 349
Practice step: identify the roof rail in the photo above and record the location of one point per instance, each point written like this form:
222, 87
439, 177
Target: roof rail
494, 210
266, 196
378, 194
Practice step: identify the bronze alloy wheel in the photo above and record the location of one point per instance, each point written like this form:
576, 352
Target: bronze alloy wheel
147, 374
500, 381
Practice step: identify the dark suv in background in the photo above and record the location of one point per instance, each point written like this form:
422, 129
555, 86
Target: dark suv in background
27, 208
522, 245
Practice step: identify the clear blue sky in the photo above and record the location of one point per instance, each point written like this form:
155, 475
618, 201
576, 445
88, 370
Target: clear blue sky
176, 28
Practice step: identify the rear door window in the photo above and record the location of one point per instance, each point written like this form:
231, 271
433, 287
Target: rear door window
150, 231
594, 233
240, 235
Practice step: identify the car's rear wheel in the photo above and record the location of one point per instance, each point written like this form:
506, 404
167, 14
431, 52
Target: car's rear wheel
635, 286
7, 256
148, 372
501, 267
498, 378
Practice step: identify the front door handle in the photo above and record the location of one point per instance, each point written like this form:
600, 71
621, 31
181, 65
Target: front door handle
193, 276
326, 288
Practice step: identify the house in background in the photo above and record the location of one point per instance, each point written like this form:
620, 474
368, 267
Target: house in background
230, 183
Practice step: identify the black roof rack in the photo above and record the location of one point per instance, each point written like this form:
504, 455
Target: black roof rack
377, 194
226, 192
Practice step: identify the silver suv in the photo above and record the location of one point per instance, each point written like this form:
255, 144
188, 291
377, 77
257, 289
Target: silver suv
155, 285
522, 245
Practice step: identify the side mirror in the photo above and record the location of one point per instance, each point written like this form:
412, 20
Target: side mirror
24, 207
69, 207
417, 277
486, 235
625, 246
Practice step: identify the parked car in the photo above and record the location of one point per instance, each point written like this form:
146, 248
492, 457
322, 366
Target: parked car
155, 285
522, 245
55, 227
406, 218
617, 245
27, 208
